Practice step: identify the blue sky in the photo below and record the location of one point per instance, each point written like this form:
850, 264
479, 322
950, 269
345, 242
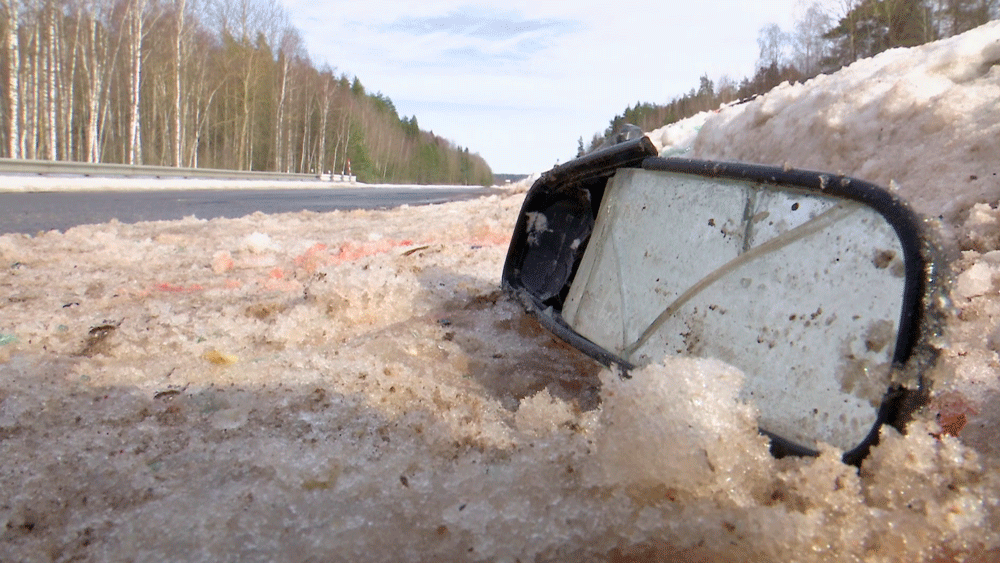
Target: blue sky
521, 82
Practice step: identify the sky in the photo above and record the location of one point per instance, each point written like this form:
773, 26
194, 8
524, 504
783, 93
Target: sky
522, 82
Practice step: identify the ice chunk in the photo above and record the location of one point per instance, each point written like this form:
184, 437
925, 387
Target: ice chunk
978, 280
258, 243
675, 425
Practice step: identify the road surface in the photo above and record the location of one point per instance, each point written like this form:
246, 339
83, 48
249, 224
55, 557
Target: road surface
43, 211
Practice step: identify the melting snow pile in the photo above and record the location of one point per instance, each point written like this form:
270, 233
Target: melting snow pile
352, 386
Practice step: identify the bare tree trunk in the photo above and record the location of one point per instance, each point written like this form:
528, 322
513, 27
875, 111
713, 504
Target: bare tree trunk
52, 67
13, 80
199, 126
244, 142
178, 136
333, 161
347, 141
281, 164
67, 99
138, 9
392, 149
90, 65
288, 135
95, 65
305, 140
31, 121
321, 156
284, 59
251, 131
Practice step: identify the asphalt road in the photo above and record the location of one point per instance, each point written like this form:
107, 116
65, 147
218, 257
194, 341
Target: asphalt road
43, 211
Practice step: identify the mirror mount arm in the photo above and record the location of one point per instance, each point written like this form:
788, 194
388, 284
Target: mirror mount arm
581, 181
601, 163
552, 321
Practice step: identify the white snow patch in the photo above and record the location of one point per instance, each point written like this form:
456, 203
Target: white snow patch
258, 243
676, 139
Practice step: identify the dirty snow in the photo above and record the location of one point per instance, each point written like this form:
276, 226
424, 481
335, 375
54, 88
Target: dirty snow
352, 386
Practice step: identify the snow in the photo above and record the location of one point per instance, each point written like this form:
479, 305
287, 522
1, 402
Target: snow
352, 385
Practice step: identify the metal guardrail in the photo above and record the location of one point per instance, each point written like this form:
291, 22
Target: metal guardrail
63, 168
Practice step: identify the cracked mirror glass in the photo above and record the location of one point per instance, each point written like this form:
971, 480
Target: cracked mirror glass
801, 291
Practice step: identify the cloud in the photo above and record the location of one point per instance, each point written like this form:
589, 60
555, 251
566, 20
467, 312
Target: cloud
459, 108
482, 23
478, 35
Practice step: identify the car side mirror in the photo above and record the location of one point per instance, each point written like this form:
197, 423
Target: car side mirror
824, 290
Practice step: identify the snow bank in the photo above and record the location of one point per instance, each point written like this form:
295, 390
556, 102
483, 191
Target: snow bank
352, 386
924, 119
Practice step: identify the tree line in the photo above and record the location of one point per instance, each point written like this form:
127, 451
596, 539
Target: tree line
826, 37
199, 83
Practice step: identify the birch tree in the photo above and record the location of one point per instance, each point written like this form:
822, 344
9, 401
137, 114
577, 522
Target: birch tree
67, 90
289, 50
12, 11
772, 41
52, 73
136, 19
180, 9
808, 43
99, 59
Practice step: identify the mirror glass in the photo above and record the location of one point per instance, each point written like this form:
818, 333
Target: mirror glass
801, 291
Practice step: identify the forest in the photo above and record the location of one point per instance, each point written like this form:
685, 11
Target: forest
200, 83
827, 36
